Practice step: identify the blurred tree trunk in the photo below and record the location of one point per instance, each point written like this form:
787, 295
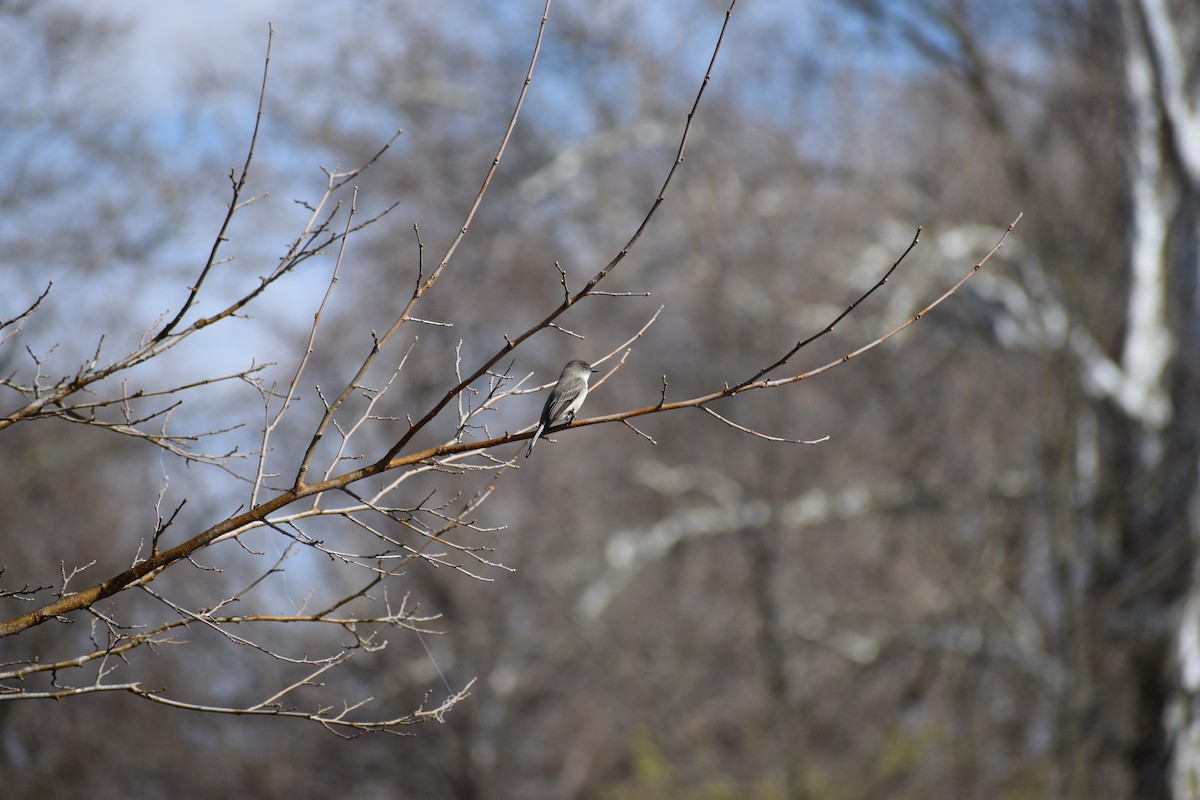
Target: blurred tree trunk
1164, 522
772, 654
1120, 435
1149, 574
1132, 499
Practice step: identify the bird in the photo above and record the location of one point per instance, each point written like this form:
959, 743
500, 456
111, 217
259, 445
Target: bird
565, 398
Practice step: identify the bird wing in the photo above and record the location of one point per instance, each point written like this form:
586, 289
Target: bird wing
558, 403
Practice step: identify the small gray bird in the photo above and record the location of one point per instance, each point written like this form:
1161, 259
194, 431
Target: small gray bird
565, 398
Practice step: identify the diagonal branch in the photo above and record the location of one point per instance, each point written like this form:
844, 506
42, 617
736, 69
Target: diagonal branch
513, 343
234, 205
32, 307
257, 515
423, 287
829, 328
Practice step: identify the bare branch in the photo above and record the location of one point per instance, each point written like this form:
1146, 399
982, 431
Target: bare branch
829, 328
417, 461
32, 308
234, 204
511, 344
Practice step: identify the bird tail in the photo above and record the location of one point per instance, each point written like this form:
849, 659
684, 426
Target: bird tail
533, 441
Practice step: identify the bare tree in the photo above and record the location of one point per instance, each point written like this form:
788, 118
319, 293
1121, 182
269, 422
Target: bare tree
341, 513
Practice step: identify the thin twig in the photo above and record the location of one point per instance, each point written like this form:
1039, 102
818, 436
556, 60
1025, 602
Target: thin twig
829, 328
234, 205
755, 433
32, 308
